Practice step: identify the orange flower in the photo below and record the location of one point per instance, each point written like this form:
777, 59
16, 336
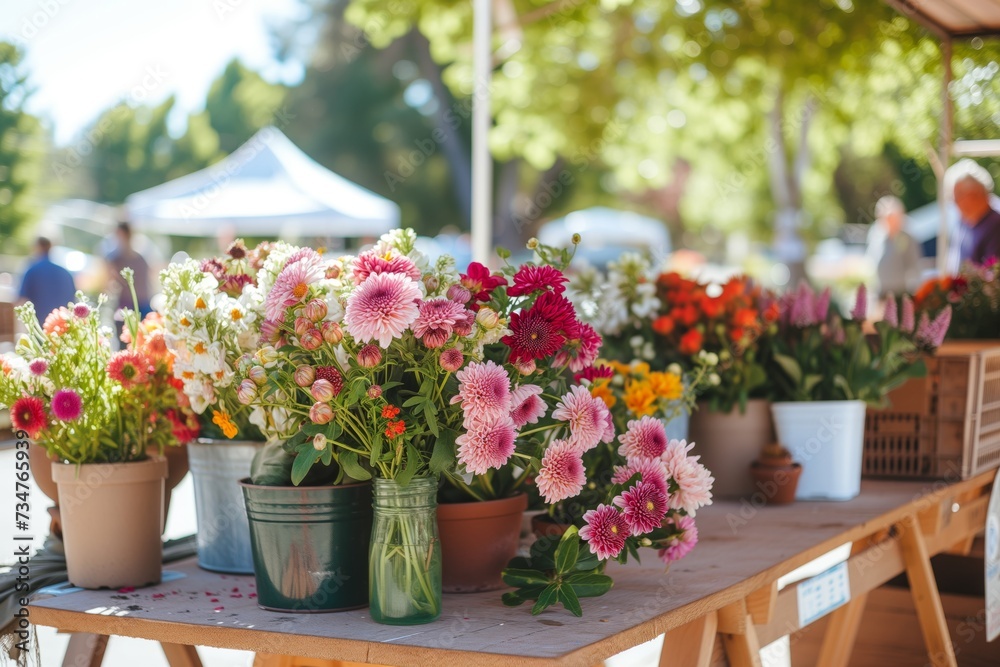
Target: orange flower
57, 322
390, 411
221, 419
663, 325
666, 385
733, 288
745, 317
601, 390
772, 313
690, 342
712, 306
640, 398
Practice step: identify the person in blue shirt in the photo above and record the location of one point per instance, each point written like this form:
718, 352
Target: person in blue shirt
977, 237
46, 284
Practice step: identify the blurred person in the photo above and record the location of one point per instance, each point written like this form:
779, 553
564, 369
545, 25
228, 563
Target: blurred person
45, 283
125, 256
977, 236
895, 253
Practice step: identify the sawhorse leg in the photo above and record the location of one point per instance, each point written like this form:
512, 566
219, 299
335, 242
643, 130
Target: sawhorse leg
739, 635
926, 599
842, 632
691, 644
85, 650
180, 655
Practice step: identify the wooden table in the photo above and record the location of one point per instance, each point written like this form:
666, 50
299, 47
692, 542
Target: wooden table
724, 594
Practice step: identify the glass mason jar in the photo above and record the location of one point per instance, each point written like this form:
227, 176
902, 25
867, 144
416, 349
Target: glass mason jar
404, 569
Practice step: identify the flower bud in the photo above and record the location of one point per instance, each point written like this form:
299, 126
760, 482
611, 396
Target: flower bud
267, 356
711, 359
332, 333
714, 379
316, 310
374, 391
320, 413
332, 272
302, 325
452, 359
488, 318
674, 369
431, 282
525, 366
244, 363
258, 375
319, 442
311, 340
322, 390
369, 356
532, 243
459, 294
576, 239
247, 391
304, 375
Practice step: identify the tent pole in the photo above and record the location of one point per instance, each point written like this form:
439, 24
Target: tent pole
482, 163
944, 151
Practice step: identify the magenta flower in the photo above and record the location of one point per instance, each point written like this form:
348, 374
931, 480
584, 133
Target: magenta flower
28, 414
530, 279
650, 471
644, 506
822, 306
581, 351
452, 359
369, 263
487, 444
605, 532
67, 405
646, 438
292, 285
860, 309
681, 544
81, 310
483, 391
436, 321
382, 308
526, 405
562, 475
891, 314
38, 367
586, 416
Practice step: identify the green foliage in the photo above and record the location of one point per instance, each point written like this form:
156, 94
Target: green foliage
20, 136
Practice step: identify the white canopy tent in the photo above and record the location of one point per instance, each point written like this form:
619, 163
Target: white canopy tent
266, 187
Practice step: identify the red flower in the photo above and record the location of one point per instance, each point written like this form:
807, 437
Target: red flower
480, 281
28, 415
712, 306
530, 279
390, 412
663, 325
129, 368
594, 373
690, 342
394, 429
541, 330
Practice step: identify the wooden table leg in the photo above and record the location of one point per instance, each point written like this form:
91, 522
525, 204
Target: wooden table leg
85, 650
180, 655
690, 645
743, 650
842, 632
926, 599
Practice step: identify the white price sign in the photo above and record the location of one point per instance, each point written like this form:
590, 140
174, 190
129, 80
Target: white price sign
993, 564
823, 593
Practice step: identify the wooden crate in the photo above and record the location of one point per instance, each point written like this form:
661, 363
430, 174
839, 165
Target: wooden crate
944, 425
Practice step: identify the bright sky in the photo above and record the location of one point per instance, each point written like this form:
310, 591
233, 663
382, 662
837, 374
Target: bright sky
83, 56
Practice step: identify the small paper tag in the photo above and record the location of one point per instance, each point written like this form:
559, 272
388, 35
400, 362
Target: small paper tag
993, 563
823, 593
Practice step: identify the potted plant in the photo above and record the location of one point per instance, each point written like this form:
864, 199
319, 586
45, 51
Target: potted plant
973, 296
827, 369
99, 413
211, 320
776, 475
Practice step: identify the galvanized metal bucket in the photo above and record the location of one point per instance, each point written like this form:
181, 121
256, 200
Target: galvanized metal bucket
217, 466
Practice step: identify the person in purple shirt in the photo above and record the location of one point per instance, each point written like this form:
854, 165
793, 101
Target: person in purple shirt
46, 284
978, 237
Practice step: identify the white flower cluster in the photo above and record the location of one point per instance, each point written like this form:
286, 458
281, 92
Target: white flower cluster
624, 297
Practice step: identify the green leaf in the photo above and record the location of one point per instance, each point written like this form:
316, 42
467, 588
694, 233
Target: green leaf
519, 563
810, 383
589, 584
548, 597
513, 599
569, 600
790, 366
518, 578
349, 462
587, 560
443, 455
413, 400
293, 442
404, 476
568, 551
304, 460
430, 414
326, 456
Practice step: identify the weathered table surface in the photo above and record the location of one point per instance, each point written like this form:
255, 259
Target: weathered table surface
742, 549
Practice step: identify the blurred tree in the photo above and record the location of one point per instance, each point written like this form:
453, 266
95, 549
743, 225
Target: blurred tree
239, 103
21, 139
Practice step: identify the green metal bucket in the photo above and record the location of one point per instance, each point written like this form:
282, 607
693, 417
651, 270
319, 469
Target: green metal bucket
310, 545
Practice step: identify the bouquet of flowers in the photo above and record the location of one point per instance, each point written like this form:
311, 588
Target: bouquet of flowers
822, 356
973, 296
85, 403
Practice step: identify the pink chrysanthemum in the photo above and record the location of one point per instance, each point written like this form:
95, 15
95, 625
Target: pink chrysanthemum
605, 532
592, 373
542, 330
581, 351
452, 359
694, 481
28, 415
369, 263
382, 307
67, 405
526, 405
530, 279
484, 391
487, 444
292, 286
38, 366
644, 506
645, 438
586, 415
650, 471
437, 320
81, 310
679, 545
562, 475
129, 368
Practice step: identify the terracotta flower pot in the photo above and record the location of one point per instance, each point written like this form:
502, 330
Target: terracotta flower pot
41, 470
112, 519
729, 442
776, 484
478, 539
542, 525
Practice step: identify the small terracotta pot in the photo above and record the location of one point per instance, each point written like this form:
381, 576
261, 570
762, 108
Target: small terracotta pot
112, 519
41, 470
729, 442
478, 539
542, 525
776, 484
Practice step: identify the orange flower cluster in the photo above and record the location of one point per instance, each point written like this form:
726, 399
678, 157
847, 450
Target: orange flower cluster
642, 390
395, 429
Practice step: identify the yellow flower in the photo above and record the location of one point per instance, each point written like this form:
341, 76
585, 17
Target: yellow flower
666, 385
221, 419
618, 367
601, 390
640, 398
640, 368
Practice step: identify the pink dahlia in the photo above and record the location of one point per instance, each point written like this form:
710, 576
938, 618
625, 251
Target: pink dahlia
681, 544
436, 321
81, 310
270, 331
693, 480
28, 415
526, 405
459, 294
541, 330
643, 505
592, 373
487, 444
605, 532
128, 368
562, 475
368, 263
292, 284
38, 366
650, 471
484, 391
480, 282
382, 308
67, 405
586, 416
452, 359
581, 351
530, 279
645, 438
